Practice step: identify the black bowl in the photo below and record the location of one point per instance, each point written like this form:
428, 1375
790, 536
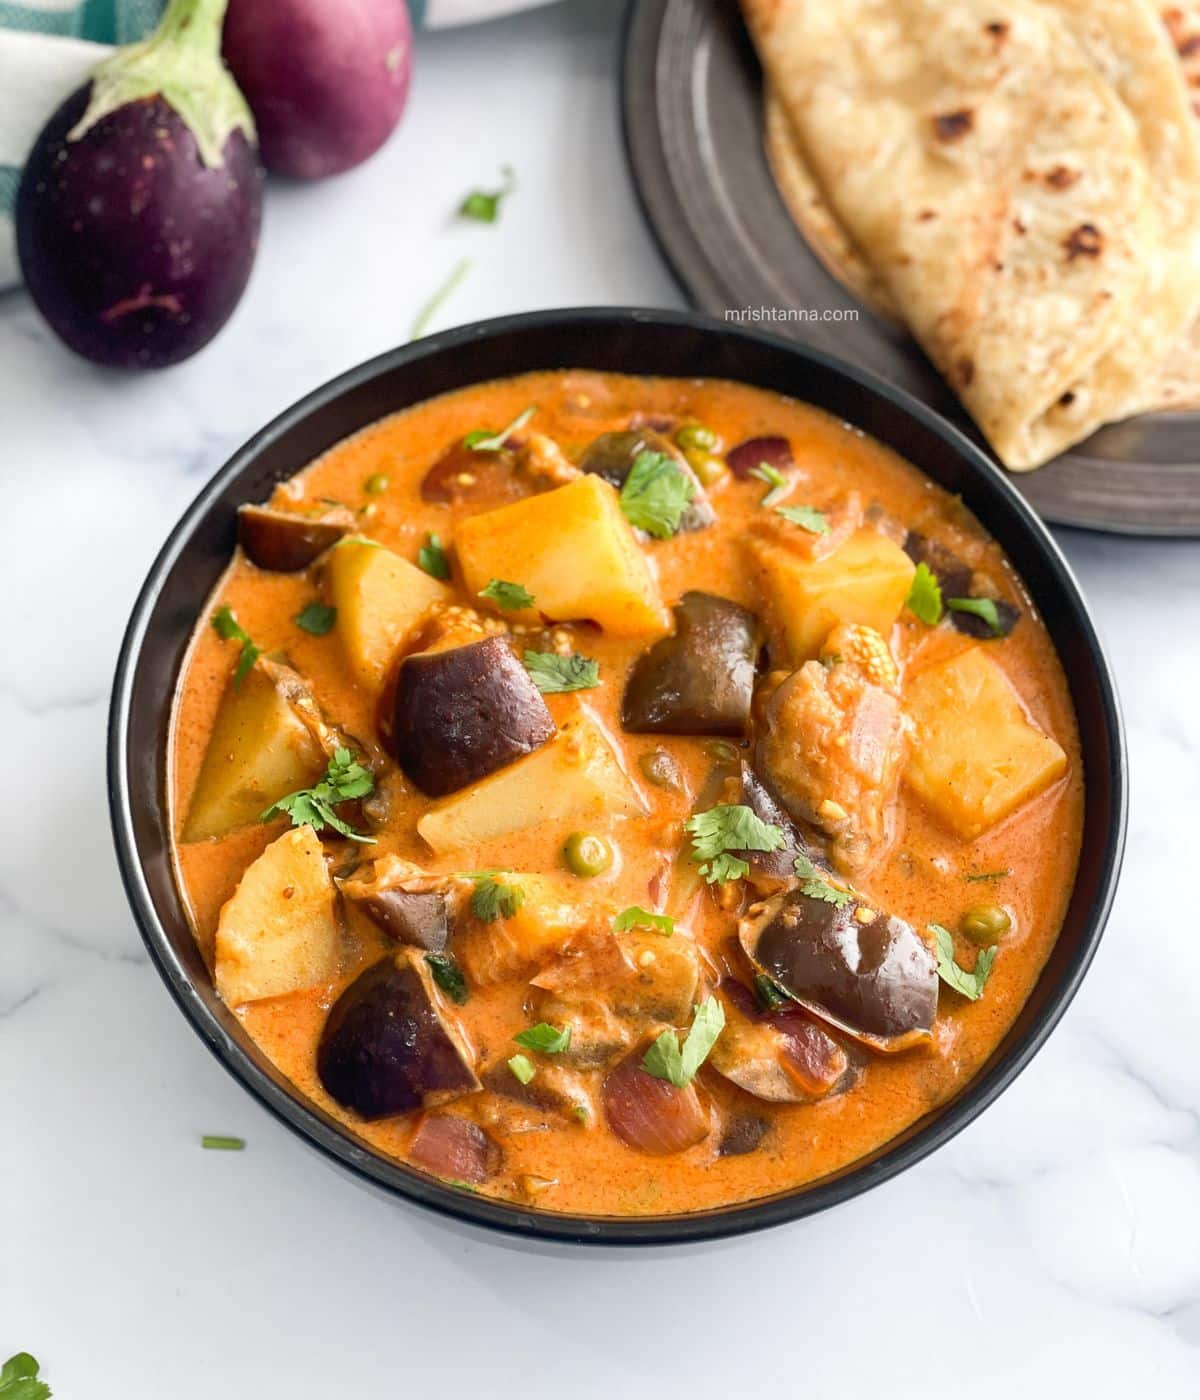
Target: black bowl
634, 342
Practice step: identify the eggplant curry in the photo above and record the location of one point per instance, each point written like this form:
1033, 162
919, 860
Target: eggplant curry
622, 796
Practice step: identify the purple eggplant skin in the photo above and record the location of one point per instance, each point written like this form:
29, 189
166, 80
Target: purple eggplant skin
699, 680
418, 919
388, 1045
771, 865
461, 714
954, 578
326, 82
133, 249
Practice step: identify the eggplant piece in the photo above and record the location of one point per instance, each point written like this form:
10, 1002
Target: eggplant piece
461, 714
754, 452
408, 904
744, 1134
284, 541
454, 1149
390, 1046
877, 981
780, 1056
954, 578
611, 457
771, 866
554, 1089
700, 680
462, 476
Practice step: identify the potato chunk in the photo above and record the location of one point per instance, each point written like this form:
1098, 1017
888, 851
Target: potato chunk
576, 775
574, 551
264, 745
278, 932
551, 911
977, 756
866, 580
381, 599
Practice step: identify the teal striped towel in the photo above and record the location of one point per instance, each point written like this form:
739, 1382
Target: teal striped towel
49, 47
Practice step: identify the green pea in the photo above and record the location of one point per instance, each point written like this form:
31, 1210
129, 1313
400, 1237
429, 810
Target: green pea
707, 465
375, 484
720, 749
587, 855
985, 925
695, 436
659, 768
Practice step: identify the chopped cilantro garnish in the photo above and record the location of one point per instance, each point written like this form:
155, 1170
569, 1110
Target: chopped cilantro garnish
227, 627
983, 876
216, 1143
317, 618
509, 596
345, 778
925, 596
815, 887
806, 517
968, 984
492, 899
432, 558
637, 917
774, 478
484, 440
549, 1040
484, 205
984, 608
522, 1068
656, 493
448, 975
727, 828
665, 1060
553, 674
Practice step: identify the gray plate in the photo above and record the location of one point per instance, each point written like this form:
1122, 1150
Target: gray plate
692, 107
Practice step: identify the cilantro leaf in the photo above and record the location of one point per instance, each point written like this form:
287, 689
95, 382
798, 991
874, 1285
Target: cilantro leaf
727, 828
815, 886
656, 493
345, 779
637, 917
484, 205
549, 1040
492, 899
217, 1143
925, 596
984, 608
665, 1059
806, 517
770, 994
553, 674
19, 1379
981, 877
484, 440
522, 1068
317, 618
448, 975
432, 558
509, 596
229, 629
967, 984
774, 478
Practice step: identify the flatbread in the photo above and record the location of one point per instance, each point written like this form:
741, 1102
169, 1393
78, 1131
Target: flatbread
1033, 228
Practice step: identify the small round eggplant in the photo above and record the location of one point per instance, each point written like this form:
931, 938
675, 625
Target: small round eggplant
460, 714
755, 452
876, 981
652, 1114
417, 918
771, 866
389, 1046
461, 475
611, 456
954, 578
284, 541
780, 1056
138, 212
700, 680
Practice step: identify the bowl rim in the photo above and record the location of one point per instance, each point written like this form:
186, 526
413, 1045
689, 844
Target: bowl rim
334, 1142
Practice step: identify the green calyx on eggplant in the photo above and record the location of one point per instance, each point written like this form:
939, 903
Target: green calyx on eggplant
875, 981
155, 154
462, 713
954, 577
390, 1045
404, 901
284, 541
780, 1056
612, 455
699, 680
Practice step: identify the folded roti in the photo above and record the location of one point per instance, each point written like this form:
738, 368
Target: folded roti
1018, 177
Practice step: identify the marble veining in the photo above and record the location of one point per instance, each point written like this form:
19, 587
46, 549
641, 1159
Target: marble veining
1052, 1248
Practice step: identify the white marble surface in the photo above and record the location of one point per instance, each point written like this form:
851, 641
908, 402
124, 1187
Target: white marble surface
1053, 1248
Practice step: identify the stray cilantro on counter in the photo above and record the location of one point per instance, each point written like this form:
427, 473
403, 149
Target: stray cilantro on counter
484, 205
215, 1142
19, 1379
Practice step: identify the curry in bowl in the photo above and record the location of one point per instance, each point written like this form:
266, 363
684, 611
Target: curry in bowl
622, 796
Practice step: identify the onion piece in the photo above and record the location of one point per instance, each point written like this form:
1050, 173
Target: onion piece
651, 1114
774, 451
455, 1149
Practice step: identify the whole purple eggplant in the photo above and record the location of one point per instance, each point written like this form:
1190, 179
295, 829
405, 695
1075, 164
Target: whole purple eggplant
139, 207
326, 82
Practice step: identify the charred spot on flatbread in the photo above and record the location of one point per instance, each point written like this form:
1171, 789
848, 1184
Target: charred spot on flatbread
950, 126
1061, 177
1084, 241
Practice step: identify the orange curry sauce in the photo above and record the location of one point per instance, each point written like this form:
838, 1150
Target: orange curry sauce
922, 878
